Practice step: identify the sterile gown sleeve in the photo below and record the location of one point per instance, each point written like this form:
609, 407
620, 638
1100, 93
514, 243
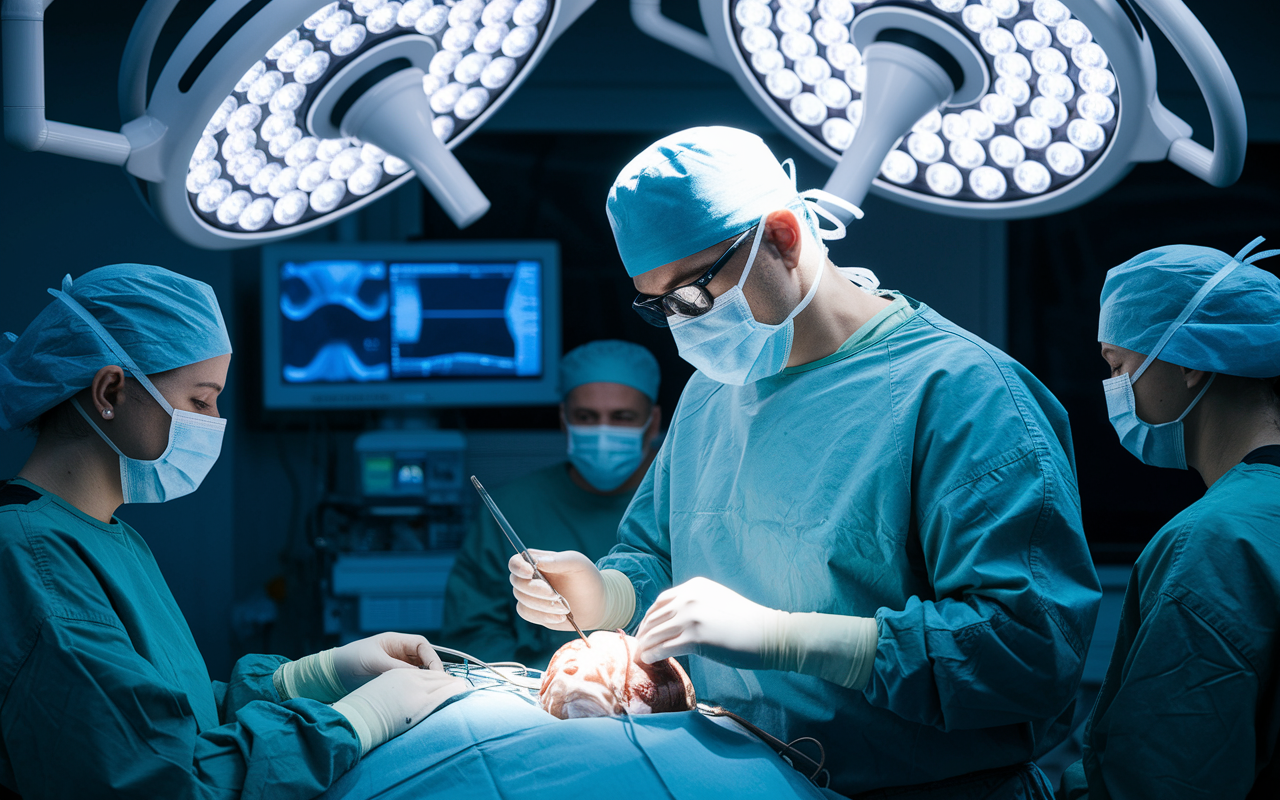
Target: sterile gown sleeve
1182, 721
479, 611
999, 634
86, 716
1002, 639
643, 552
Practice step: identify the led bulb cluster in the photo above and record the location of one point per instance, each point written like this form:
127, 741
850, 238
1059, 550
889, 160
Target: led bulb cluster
1048, 115
255, 166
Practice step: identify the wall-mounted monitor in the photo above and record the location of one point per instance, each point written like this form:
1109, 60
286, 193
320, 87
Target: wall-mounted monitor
423, 325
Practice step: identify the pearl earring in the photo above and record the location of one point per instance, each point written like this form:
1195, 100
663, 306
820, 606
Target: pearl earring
107, 413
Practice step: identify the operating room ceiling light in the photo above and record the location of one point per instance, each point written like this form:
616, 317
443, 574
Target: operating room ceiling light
273, 117
1012, 107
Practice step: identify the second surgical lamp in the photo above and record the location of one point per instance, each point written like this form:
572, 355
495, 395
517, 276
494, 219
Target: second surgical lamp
273, 117
977, 108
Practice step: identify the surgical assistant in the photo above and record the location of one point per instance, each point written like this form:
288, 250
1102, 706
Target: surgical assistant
102, 689
863, 525
610, 414
1190, 706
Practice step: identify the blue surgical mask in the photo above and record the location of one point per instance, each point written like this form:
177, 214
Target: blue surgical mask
606, 455
727, 343
195, 440
1158, 445
1161, 445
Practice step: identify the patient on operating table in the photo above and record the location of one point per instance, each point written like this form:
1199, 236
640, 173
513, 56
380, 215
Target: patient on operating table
496, 742
605, 679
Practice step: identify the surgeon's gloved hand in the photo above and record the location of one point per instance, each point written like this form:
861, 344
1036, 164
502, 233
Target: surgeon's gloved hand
702, 617
329, 675
393, 702
361, 661
598, 600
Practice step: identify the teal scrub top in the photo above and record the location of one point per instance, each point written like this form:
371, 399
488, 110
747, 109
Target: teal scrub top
1190, 706
549, 512
921, 477
103, 692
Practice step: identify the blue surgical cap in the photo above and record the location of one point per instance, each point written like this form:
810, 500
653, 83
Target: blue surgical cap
692, 189
1233, 329
160, 319
610, 361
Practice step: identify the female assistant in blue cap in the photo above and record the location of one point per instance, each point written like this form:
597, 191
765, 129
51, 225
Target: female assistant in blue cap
102, 690
1191, 702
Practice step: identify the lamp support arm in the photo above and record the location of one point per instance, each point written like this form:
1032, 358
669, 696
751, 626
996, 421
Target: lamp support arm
1222, 165
648, 17
25, 126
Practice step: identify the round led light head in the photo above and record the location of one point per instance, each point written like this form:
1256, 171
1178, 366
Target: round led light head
1030, 76
260, 101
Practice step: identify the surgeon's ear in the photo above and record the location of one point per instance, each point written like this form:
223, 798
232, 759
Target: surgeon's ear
1194, 378
783, 232
107, 391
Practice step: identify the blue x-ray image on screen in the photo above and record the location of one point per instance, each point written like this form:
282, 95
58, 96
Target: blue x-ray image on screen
369, 321
465, 320
335, 325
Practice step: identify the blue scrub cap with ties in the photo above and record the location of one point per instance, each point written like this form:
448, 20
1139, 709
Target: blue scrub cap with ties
692, 189
1198, 308
610, 361
161, 319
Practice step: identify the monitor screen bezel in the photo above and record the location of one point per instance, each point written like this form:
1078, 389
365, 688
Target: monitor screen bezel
401, 394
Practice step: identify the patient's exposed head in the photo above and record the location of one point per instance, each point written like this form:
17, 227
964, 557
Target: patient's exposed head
606, 680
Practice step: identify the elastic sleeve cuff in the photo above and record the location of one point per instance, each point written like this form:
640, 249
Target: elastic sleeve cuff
833, 647
619, 600
314, 677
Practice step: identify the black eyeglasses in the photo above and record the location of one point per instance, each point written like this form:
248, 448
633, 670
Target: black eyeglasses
690, 300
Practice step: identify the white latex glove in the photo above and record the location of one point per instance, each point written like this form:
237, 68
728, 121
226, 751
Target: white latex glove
572, 576
701, 617
363, 660
393, 702
329, 675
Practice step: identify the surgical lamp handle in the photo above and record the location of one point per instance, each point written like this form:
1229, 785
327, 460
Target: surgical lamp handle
25, 126
137, 56
648, 17
1222, 165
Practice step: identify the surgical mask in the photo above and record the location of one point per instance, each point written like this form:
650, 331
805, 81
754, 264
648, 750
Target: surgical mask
1161, 445
727, 343
606, 455
1157, 445
195, 440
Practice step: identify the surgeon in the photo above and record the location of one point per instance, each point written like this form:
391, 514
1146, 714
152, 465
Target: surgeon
1191, 703
863, 525
102, 690
610, 413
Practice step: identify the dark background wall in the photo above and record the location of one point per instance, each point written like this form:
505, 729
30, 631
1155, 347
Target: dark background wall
546, 160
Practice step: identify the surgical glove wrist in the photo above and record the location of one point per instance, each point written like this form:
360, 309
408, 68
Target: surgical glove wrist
313, 677
619, 600
395, 702
569, 582
836, 648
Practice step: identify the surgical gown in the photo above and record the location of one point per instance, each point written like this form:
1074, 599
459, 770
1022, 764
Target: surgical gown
103, 692
549, 512
918, 476
1190, 706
